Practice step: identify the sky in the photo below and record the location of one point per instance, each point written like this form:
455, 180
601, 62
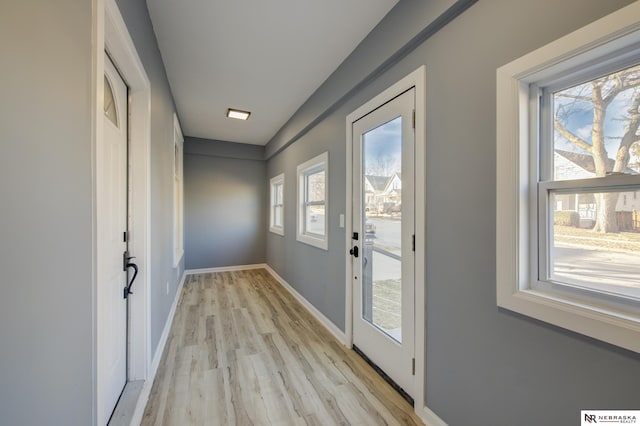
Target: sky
580, 119
382, 148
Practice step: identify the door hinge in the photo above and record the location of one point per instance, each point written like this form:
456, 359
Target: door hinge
413, 242
413, 366
413, 119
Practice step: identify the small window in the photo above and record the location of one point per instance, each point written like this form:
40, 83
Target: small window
110, 103
568, 153
276, 220
312, 201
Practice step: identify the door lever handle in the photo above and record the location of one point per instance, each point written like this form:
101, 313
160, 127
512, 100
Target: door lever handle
354, 251
127, 289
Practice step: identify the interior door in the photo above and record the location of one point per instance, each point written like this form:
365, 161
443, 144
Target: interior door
383, 238
112, 243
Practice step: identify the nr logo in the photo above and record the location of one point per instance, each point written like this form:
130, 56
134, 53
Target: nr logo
590, 418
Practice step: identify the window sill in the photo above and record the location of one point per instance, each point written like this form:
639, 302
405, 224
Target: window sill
320, 243
277, 231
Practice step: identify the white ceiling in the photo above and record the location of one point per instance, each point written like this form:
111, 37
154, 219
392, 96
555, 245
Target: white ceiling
266, 57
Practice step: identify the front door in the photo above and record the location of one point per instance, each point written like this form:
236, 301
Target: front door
112, 240
383, 238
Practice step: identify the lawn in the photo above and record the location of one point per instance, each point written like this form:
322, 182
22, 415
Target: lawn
386, 304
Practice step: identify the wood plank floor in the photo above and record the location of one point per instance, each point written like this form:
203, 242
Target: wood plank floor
243, 351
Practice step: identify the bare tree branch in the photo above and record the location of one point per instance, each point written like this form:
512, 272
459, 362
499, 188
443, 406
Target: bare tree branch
630, 135
576, 140
577, 97
621, 85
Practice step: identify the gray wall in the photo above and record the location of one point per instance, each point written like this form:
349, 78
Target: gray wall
45, 227
138, 23
46, 185
226, 194
485, 366
405, 21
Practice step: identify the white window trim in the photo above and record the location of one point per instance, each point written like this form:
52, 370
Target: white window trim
178, 193
279, 179
514, 245
316, 241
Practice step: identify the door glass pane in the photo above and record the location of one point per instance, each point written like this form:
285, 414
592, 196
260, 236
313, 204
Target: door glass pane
109, 103
382, 227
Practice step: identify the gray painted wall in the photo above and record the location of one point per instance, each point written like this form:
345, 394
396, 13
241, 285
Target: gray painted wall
136, 17
485, 366
45, 227
198, 146
46, 184
399, 26
226, 196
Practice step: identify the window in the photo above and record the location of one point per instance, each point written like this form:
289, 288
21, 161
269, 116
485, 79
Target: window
568, 150
110, 103
178, 196
312, 201
276, 221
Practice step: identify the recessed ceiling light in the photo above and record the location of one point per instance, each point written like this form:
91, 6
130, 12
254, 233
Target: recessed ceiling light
238, 114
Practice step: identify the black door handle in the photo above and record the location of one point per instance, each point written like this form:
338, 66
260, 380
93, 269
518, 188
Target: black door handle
129, 264
354, 251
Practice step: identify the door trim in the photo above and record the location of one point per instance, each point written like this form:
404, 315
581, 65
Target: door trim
415, 79
109, 33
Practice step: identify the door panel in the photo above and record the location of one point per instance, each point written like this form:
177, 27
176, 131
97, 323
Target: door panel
112, 224
383, 217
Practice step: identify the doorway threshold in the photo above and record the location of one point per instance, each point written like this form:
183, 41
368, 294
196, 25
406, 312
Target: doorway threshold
385, 376
126, 407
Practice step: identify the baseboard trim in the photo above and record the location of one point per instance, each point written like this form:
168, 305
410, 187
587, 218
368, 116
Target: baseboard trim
429, 417
225, 269
326, 322
157, 357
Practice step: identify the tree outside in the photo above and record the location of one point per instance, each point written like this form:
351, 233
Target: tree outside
601, 118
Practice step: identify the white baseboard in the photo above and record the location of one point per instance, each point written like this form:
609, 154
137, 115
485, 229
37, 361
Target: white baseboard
225, 269
326, 322
155, 363
429, 417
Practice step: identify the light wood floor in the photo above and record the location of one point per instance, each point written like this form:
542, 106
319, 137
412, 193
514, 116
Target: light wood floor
243, 351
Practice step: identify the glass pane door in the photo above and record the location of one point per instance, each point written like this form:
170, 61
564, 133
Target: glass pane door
383, 226
382, 218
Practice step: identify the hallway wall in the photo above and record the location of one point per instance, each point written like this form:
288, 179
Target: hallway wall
484, 365
47, 229
226, 195
46, 214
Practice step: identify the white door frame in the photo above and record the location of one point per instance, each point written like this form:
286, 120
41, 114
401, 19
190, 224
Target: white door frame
416, 79
110, 33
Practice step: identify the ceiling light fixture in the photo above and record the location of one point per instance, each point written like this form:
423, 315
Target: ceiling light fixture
238, 114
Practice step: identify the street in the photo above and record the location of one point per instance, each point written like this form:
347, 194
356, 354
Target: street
616, 272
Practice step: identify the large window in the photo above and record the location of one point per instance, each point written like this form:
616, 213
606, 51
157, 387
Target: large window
312, 201
276, 219
568, 179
